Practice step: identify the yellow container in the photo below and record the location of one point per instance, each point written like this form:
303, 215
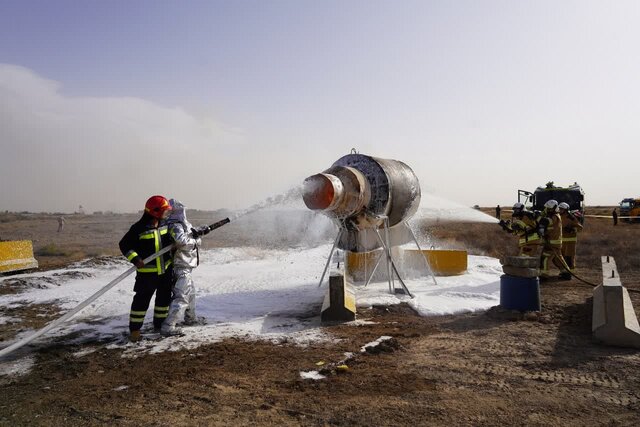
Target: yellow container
442, 262
409, 261
16, 255
359, 261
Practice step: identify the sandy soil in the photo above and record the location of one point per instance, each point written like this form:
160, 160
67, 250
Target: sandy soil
493, 368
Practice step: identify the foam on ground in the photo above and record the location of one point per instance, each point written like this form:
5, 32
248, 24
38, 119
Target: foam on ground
242, 292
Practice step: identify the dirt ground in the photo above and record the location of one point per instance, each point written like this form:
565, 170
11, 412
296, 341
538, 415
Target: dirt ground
490, 368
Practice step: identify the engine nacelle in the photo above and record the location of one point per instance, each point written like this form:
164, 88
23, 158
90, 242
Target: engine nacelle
359, 192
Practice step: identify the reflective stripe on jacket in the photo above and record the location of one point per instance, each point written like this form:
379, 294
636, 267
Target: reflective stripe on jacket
553, 233
143, 240
526, 228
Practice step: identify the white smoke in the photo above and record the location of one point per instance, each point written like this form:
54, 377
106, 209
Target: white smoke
112, 153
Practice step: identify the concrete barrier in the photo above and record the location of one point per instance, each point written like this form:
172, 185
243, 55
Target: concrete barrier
614, 320
340, 300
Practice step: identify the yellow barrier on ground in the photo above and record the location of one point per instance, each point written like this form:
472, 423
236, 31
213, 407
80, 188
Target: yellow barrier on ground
442, 262
16, 255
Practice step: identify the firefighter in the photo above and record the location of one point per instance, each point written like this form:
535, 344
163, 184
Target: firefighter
550, 228
524, 224
570, 228
186, 257
144, 238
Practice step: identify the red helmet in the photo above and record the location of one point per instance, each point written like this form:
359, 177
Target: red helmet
156, 206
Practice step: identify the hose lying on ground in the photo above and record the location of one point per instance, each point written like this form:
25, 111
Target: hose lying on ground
564, 264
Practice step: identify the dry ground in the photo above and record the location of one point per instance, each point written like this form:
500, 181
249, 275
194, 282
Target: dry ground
491, 368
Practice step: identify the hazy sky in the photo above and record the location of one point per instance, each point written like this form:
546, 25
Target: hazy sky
223, 103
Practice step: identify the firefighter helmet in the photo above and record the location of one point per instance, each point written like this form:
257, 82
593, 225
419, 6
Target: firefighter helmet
551, 205
157, 206
564, 206
518, 206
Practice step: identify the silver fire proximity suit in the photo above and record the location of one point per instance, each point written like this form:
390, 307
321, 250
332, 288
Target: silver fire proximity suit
185, 259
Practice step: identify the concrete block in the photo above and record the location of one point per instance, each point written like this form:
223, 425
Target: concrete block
340, 300
520, 271
614, 319
522, 261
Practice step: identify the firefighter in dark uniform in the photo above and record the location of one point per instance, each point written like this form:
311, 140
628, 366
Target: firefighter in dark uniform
144, 238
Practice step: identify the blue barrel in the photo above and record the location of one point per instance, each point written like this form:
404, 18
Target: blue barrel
519, 293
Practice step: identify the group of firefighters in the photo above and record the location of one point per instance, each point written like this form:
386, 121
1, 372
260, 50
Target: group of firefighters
163, 223
553, 232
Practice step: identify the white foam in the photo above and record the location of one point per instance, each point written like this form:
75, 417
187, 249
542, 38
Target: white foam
246, 292
311, 375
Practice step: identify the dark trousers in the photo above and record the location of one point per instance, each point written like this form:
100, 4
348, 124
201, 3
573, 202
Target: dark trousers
146, 285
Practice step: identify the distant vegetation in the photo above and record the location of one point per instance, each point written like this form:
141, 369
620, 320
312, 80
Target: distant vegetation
51, 250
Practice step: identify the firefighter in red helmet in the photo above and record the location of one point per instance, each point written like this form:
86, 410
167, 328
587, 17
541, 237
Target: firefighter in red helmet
144, 238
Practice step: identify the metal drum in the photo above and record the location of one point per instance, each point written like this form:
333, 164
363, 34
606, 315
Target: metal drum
519, 293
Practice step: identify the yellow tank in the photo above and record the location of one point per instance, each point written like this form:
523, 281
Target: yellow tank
16, 255
410, 262
443, 262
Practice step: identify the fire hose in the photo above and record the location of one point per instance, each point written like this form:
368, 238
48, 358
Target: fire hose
564, 264
54, 324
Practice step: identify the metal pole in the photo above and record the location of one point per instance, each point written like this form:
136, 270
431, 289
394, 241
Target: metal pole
326, 267
400, 279
374, 270
388, 248
393, 265
426, 260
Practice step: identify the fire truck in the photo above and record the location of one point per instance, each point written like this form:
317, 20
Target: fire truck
573, 195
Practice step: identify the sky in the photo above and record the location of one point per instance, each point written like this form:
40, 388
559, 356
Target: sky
221, 104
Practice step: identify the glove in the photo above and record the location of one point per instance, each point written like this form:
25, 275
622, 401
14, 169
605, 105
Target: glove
201, 231
502, 223
545, 221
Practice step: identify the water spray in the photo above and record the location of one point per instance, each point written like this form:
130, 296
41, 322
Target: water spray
288, 196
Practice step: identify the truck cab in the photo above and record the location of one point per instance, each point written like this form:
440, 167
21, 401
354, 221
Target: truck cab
630, 208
